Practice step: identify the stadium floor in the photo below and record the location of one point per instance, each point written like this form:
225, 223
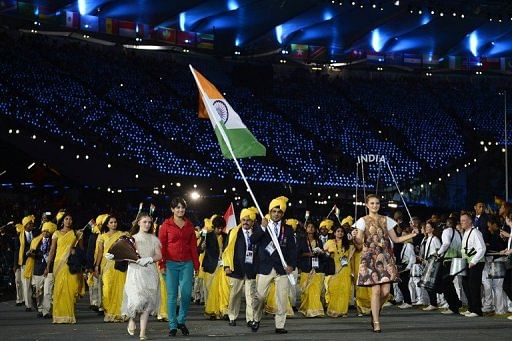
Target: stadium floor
412, 324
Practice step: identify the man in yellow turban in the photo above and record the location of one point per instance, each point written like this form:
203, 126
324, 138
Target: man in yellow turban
239, 265
39, 251
25, 235
270, 267
325, 230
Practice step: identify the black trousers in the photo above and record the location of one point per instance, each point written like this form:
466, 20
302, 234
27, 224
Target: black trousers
448, 289
403, 284
507, 284
472, 285
432, 296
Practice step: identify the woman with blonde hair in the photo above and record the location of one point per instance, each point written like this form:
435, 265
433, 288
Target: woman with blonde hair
380, 280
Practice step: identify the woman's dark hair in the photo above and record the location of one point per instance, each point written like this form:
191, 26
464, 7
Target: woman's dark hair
437, 231
135, 224
104, 227
494, 219
178, 200
344, 240
60, 222
315, 233
218, 222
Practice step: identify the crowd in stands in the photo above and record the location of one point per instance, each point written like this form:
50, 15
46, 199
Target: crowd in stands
143, 108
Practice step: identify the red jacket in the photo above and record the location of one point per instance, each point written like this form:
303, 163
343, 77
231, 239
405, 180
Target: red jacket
178, 244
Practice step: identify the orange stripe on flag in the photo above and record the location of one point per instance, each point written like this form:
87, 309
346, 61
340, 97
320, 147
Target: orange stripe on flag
210, 91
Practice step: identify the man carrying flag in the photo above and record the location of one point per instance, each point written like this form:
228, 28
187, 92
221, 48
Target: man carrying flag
270, 266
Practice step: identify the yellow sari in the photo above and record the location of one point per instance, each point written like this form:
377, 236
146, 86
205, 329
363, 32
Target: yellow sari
339, 288
113, 280
67, 287
162, 313
271, 302
218, 293
311, 284
363, 294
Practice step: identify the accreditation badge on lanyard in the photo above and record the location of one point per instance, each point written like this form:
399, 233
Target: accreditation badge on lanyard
314, 263
248, 257
270, 248
220, 263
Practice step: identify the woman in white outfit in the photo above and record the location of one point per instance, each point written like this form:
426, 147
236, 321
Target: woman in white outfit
142, 287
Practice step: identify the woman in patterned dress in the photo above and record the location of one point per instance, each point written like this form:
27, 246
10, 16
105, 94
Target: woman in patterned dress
378, 266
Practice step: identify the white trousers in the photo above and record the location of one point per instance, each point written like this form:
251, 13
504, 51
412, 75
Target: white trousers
26, 284
262, 285
19, 286
43, 289
95, 292
457, 283
237, 286
487, 304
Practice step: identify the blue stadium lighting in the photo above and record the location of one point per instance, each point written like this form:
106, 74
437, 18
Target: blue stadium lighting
279, 34
232, 5
36, 11
81, 7
425, 19
473, 43
377, 42
327, 15
237, 41
182, 21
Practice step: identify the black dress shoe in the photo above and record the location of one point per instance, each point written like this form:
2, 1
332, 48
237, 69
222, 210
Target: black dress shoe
184, 329
232, 323
255, 326
19, 304
173, 332
94, 308
281, 331
225, 317
48, 316
28, 309
249, 323
39, 314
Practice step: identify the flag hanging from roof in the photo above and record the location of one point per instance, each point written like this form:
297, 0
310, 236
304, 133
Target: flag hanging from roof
230, 219
214, 106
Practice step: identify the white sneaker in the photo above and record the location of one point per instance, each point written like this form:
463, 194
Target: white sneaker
472, 315
418, 303
430, 308
447, 312
444, 306
387, 304
465, 312
509, 318
405, 306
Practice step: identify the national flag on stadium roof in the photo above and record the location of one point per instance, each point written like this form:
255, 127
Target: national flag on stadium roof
214, 106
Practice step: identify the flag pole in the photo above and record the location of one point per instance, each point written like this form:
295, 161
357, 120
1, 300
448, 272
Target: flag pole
400, 193
228, 145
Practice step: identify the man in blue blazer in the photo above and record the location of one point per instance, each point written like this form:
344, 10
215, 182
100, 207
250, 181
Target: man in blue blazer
270, 267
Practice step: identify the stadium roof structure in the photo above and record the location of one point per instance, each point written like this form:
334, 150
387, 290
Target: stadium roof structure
440, 27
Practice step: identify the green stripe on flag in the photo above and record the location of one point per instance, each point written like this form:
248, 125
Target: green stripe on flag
242, 141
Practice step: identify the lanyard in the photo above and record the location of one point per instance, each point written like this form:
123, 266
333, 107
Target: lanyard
403, 251
309, 245
281, 235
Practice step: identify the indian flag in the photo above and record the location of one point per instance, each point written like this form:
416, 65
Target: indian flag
230, 218
230, 130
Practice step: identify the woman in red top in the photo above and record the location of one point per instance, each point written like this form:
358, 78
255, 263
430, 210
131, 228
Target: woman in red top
179, 259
